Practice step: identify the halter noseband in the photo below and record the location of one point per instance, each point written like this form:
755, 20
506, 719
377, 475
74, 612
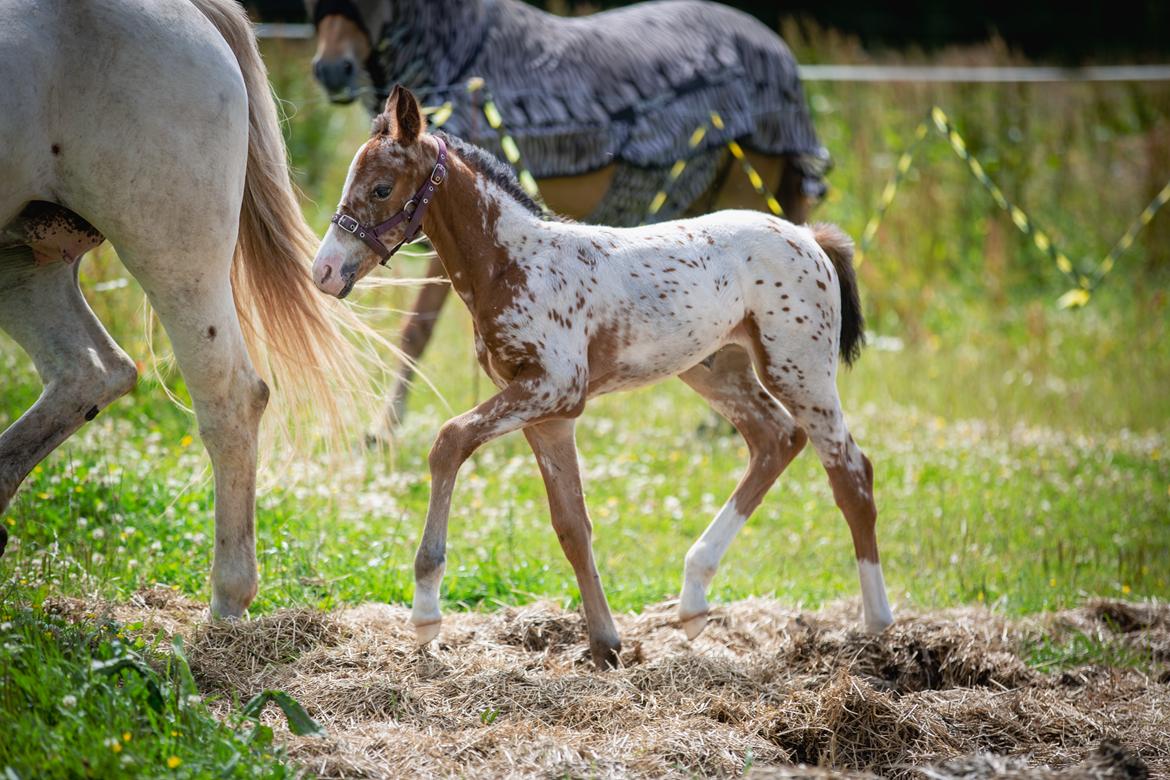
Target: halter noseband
413, 210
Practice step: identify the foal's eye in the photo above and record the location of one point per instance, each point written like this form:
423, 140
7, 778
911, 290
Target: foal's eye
382, 191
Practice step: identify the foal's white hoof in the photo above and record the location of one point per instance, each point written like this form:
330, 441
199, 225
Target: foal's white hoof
424, 634
694, 625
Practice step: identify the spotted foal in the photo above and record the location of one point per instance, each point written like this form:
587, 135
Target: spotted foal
749, 310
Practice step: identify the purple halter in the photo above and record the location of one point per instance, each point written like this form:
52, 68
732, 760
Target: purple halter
412, 210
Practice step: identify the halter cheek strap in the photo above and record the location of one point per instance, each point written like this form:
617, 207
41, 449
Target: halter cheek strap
412, 213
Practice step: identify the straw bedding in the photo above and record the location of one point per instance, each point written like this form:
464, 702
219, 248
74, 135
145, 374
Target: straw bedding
766, 690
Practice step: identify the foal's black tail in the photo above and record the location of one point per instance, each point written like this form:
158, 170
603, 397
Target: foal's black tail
839, 247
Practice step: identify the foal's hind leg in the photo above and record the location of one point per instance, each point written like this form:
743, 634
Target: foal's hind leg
555, 448
773, 441
809, 391
82, 369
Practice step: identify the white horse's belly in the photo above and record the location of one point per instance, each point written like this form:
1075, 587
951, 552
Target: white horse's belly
155, 118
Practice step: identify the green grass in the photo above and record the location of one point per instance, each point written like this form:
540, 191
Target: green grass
1026, 480
103, 703
1020, 451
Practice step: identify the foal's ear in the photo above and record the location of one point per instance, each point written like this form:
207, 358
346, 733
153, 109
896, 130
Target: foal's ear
410, 118
392, 101
403, 119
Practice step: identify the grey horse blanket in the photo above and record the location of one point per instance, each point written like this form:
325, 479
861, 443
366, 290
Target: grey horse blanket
625, 87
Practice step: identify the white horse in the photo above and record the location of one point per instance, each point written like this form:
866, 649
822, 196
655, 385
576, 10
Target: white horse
150, 123
749, 310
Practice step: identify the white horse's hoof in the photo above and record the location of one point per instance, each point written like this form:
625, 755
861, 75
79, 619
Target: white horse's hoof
425, 633
694, 625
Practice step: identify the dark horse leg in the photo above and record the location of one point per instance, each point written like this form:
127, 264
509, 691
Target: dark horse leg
413, 340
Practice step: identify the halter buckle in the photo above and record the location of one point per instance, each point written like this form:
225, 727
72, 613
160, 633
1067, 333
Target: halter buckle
439, 174
348, 223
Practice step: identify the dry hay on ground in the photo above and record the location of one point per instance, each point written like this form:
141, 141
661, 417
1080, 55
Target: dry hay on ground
777, 692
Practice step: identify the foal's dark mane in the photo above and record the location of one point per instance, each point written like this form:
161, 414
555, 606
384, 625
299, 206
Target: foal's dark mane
497, 171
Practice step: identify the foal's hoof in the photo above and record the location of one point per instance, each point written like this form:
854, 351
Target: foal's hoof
3, 539
425, 633
694, 625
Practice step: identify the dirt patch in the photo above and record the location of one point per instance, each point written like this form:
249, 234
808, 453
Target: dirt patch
766, 690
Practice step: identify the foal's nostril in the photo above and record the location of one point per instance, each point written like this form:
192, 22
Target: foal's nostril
328, 272
347, 68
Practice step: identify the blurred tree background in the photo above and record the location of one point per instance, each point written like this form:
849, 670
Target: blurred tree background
1049, 30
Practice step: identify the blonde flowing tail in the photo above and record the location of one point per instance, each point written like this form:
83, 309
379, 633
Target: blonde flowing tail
296, 335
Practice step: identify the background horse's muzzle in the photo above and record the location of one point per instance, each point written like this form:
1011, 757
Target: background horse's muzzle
339, 78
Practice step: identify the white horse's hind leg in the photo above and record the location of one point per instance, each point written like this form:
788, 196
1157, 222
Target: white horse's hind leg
810, 393
82, 369
773, 441
192, 295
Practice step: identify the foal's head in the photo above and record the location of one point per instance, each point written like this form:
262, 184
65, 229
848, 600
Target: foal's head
383, 179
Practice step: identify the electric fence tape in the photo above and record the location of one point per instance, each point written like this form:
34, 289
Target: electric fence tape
754, 177
507, 142
1085, 281
737, 152
438, 115
676, 170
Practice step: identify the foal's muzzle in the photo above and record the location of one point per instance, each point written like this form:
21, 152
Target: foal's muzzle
350, 280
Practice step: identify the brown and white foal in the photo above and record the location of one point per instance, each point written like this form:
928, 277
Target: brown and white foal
749, 310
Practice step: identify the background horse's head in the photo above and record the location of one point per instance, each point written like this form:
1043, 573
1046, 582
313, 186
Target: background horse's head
386, 172
364, 46
345, 43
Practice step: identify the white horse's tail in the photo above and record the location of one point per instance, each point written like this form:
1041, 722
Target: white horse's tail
294, 333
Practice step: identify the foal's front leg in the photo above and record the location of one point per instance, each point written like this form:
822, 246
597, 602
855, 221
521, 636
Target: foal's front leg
555, 447
526, 400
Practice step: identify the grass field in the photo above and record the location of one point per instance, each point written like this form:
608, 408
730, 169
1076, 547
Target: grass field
1021, 451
